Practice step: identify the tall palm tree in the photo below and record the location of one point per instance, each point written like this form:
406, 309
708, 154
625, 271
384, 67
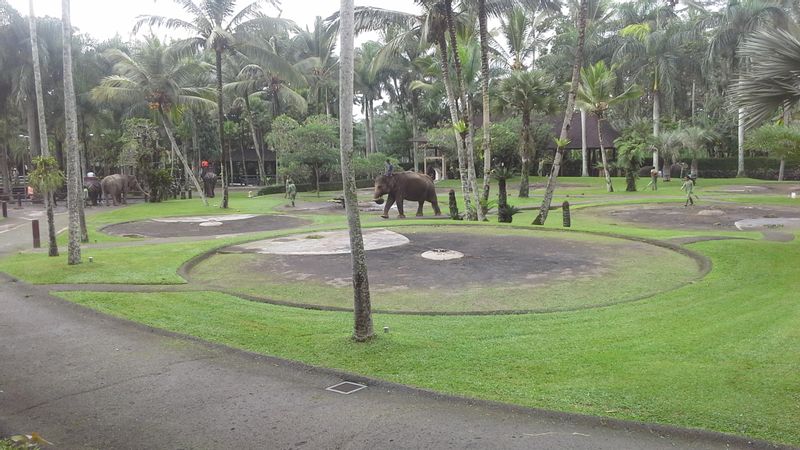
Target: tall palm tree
74, 185
318, 63
156, 78
368, 78
217, 26
37, 73
362, 310
544, 209
524, 92
730, 27
595, 95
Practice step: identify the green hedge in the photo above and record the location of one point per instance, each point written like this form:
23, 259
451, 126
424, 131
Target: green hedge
327, 186
760, 168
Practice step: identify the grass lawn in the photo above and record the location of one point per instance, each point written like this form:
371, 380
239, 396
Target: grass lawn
722, 353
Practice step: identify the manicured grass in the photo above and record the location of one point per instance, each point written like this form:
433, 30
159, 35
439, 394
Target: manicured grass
722, 354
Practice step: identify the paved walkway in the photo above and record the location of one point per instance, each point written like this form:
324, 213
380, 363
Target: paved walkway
86, 380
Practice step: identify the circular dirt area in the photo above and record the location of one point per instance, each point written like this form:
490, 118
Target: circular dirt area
498, 270
777, 188
203, 225
710, 216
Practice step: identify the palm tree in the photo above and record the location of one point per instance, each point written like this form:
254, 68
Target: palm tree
524, 92
771, 82
731, 26
156, 78
544, 209
319, 64
362, 310
74, 185
368, 82
595, 95
37, 73
694, 142
216, 25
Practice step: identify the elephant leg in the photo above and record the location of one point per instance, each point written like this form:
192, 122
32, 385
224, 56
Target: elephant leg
388, 206
419, 210
402, 214
435, 203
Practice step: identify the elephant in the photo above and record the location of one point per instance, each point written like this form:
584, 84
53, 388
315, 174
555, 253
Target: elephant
401, 186
116, 187
93, 188
209, 178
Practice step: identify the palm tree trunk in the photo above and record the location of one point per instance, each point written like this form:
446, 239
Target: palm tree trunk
71, 125
524, 143
5, 172
584, 149
694, 100
487, 123
415, 132
609, 187
451, 103
576, 67
225, 154
168, 128
656, 124
740, 134
362, 309
37, 80
466, 116
256, 141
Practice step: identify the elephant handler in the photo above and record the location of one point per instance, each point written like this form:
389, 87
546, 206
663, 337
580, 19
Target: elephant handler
291, 190
388, 168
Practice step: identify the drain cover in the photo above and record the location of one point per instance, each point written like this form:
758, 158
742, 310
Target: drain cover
442, 254
345, 387
211, 223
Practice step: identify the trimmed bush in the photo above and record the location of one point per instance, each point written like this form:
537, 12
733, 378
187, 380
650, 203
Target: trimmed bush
760, 168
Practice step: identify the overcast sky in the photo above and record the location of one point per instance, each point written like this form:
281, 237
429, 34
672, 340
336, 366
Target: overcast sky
103, 19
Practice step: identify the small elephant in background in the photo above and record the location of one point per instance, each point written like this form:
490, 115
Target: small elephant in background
117, 186
209, 178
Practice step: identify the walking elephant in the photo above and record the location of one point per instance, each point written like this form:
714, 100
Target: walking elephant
93, 189
209, 179
117, 186
402, 186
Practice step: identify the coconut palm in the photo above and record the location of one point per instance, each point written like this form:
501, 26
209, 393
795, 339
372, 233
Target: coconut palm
525, 92
318, 63
596, 96
74, 184
156, 78
217, 26
362, 310
544, 209
368, 78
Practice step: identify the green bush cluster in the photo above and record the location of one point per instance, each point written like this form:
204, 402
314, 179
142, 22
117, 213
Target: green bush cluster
758, 167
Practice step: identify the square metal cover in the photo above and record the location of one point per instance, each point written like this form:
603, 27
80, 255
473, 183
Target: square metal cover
345, 387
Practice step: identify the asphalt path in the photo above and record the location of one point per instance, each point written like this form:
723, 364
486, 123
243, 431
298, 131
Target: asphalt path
86, 380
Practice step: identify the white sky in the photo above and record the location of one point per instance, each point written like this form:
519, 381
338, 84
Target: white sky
102, 19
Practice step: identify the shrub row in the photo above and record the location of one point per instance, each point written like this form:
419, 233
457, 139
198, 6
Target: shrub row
326, 186
760, 168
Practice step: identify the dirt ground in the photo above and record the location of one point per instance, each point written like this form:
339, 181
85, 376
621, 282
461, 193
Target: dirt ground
705, 216
783, 189
487, 260
161, 229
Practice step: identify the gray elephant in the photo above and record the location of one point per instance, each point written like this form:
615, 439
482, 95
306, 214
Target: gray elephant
401, 186
209, 178
93, 189
116, 187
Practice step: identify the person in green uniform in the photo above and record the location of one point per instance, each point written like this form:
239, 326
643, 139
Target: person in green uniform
688, 186
653, 184
291, 190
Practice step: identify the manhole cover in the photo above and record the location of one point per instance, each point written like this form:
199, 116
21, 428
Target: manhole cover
345, 387
441, 254
211, 223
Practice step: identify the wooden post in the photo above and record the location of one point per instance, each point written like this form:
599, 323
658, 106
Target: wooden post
5, 208
567, 218
19, 200
453, 206
36, 239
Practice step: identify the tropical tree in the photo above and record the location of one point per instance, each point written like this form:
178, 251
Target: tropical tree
156, 78
562, 140
74, 184
524, 92
45, 185
46, 178
362, 310
595, 95
694, 142
217, 26
779, 140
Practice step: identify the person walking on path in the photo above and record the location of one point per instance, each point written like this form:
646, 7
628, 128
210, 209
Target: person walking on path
688, 186
291, 190
653, 184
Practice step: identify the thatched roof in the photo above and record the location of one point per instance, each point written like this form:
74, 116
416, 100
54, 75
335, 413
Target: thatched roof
574, 133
